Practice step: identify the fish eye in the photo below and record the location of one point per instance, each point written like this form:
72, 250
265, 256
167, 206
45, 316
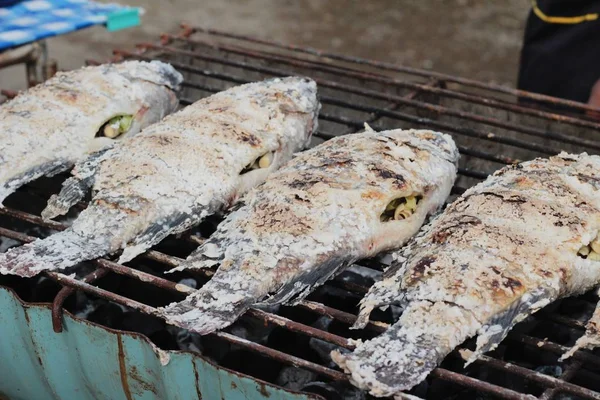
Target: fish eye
400, 208
263, 161
115, 127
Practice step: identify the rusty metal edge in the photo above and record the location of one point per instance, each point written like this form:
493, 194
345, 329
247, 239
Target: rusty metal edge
143, 338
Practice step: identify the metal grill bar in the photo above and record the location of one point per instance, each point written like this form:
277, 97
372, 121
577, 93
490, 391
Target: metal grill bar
393, 114
227, 64
189, 30
384, 96
105, 266
429, 88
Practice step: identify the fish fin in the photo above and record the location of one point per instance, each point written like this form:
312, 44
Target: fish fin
74, 188
158, 231
47, 169
206, 255
293, 292
495, 329
409, 350
368, 128
56, 252
214, 306
590, 339
382, 293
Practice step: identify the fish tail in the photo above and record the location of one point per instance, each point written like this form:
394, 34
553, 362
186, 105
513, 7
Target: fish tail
408, 351
53, 253
215, 306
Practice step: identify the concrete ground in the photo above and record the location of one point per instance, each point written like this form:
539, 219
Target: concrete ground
471, 38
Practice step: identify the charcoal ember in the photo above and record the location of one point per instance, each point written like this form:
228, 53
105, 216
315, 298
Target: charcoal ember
360, 276
254, 329
142, 323
565, 396
208, 226
578, 308
191, 282
107, 313
552, 370
186, 340
8, 243
322, 348
420, 390
334, 391
84, 306
43, 290
214, 347
395, 312
367, 275
246, 362
294, 378
335, 297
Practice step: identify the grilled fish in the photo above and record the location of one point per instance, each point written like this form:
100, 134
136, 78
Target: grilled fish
175, 173
349, 198
48, 128
509, 246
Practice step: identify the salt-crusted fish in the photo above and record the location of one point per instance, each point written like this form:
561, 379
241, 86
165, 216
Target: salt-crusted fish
349, 198
175, 173
525, 237
50, 127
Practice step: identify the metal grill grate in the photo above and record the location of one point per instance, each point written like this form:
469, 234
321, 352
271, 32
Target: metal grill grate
492, 125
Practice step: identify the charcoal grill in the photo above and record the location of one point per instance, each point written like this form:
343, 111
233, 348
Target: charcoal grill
492, 125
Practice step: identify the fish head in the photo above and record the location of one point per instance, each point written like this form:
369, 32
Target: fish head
297, 96
153, 87
296, 99
412, 173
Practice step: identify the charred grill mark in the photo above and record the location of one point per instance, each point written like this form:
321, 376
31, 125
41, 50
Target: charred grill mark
387, 174
22, 114
303, 184
513, 198
546, 273
249, 138
116, 206
463, 223
512, 284
164, 140
299, 198
589, 179
418, 271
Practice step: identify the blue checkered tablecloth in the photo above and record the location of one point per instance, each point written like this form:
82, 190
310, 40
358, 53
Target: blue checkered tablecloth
33, 20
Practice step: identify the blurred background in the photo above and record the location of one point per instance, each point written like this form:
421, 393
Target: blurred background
469, 38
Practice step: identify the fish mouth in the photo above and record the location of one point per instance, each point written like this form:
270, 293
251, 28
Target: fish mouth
591, 250
116, 127
401, 208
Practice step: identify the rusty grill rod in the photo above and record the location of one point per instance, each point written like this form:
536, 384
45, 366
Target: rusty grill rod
470, 132
440, 110
64, 280
375, 94
141, 307
189, 30
352, 72
255, 347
